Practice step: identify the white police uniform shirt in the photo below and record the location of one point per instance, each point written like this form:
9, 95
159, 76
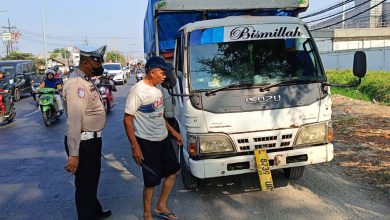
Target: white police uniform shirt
146, 104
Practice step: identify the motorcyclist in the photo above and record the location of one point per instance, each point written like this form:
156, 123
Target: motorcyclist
4, 84
139, 72
104, 80
51, 82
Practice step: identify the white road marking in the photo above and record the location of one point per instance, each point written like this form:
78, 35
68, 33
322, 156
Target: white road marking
32, 112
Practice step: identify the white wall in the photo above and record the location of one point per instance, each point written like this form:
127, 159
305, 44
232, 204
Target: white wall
377, 59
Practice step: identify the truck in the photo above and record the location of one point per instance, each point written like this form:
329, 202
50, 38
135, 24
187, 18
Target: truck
248, 76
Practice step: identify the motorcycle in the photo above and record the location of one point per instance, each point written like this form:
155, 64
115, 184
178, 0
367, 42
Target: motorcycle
34, 88
138, 78
46, 104
105, 90
4, 114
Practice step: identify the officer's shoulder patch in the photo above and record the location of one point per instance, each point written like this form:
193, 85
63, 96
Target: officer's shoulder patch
81, 92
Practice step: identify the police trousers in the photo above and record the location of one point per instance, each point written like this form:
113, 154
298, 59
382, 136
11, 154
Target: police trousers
87, 179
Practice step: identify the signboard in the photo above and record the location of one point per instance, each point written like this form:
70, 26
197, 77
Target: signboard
6, 36
264, 31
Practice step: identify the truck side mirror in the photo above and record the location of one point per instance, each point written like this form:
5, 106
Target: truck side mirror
359, 64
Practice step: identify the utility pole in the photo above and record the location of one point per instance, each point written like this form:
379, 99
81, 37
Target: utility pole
44, 34
9, 29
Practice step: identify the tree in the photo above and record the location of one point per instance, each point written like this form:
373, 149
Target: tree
115, 56
60, 53
19, 56
25, 56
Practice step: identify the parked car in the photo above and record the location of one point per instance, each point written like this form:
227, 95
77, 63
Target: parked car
115, 72
20, 73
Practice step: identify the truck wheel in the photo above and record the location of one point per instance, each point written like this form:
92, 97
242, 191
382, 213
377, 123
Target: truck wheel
294, 173
189, 181
16, 95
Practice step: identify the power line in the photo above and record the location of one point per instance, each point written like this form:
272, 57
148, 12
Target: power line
349, 17
328, 9
78, 38
323, 18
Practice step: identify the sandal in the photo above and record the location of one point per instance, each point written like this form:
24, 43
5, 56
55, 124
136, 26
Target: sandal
165, 215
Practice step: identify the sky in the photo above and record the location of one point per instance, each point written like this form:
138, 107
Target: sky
116, 23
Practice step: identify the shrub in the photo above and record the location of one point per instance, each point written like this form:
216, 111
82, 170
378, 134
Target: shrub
375, 85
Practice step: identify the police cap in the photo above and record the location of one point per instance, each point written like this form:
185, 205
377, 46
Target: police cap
95, 52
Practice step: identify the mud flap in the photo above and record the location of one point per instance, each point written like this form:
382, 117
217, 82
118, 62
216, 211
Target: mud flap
264, 170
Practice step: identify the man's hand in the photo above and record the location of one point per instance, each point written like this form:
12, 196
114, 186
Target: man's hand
72, 164
137, 154
6, 91
178, 138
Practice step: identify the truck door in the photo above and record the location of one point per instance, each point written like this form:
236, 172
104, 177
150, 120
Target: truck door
178, 100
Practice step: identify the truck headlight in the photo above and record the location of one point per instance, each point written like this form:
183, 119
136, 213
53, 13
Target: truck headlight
314, 134
215, 144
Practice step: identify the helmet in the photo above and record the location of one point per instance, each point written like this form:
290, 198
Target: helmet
105, 73
50, 71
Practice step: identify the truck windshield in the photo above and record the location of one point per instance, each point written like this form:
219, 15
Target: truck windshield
261, 62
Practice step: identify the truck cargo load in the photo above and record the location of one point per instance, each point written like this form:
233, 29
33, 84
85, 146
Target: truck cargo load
172, 14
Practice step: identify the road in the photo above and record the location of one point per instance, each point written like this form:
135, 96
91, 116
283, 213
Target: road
34, 185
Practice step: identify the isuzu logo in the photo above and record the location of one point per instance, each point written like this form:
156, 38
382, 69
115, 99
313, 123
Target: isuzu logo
263, 99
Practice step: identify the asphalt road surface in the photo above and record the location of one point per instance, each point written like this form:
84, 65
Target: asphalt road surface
34, 184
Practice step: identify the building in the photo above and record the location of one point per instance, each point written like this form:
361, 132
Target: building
370, 29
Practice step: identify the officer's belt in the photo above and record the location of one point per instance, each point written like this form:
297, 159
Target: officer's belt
86, 135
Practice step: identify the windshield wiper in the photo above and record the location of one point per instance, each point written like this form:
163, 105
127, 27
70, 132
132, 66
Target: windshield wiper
290, 82
210, 92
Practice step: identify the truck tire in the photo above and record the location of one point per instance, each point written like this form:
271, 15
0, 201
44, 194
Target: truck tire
189, 181
16, 95
294, 173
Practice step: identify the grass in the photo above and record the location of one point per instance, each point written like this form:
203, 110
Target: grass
375, 85
346, 120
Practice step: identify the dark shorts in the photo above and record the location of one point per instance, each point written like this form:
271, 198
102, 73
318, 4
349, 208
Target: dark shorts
160, 160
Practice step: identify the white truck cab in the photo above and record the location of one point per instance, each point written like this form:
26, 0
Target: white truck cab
247, 82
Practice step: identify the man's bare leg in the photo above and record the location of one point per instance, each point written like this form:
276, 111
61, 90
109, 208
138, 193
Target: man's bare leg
148, 195
165, 191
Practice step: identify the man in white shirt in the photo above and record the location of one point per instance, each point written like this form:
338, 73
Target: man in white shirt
147, 131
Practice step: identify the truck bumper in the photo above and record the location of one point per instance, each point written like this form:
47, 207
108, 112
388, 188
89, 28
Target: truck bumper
209, 168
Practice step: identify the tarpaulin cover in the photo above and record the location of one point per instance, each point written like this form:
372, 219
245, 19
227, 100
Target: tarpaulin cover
170, 22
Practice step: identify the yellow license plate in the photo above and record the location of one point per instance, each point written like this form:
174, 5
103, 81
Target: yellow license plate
263, 170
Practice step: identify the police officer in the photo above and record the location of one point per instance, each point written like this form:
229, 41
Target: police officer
85, 122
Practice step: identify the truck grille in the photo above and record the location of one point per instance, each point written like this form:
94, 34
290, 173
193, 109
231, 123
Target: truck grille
268, 140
